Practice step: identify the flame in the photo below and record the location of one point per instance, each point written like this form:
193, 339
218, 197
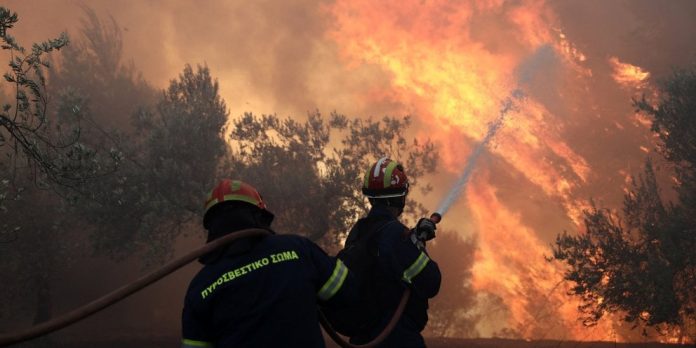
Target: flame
506, 247
628, 75
454, 73
460, 83
642, 120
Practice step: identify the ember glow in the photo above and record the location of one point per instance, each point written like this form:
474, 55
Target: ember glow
628, 75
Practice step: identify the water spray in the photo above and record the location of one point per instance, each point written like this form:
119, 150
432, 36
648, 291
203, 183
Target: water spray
460, 184
543, 58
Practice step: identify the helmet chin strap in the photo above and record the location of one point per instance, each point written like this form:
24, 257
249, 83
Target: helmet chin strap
399, 205
263, 219
395, 204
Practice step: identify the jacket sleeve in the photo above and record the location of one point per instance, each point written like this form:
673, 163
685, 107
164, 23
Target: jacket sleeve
403, 261
336, 285
194, 327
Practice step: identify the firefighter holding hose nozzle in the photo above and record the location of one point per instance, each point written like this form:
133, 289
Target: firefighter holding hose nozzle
259, 291
387, 258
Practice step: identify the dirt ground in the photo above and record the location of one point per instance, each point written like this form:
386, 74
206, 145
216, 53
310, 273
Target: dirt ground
501, 343
431, 342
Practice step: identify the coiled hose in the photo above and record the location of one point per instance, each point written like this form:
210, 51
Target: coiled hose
146, 280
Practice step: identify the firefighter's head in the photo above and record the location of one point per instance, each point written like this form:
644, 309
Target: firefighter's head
386, 184
234, 205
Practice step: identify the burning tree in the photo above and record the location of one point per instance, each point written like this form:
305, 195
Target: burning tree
643, 264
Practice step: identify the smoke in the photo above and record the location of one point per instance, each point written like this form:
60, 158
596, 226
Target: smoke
269, 56
655, 36
530, 69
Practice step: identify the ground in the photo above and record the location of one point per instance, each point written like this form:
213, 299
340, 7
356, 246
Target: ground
432, 343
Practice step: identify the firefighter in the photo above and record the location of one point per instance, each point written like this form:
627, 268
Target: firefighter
401, 259
259, 291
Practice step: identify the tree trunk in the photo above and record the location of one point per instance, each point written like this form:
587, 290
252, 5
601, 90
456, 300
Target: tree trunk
44, 301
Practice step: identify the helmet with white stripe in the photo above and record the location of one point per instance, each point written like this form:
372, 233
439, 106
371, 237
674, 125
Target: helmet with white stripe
385, 179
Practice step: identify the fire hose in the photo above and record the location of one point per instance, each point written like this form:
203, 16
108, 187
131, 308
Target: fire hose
146, 280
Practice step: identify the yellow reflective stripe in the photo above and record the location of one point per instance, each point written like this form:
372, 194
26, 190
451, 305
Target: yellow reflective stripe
366, 184
186, 343
388, 173
335, 282
232, 197
416, 267
242, 198
211, 203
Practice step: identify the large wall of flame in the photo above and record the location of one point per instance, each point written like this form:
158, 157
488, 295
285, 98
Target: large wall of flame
450, 63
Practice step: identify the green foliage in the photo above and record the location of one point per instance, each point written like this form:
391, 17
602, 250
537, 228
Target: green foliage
673, 117
168, 167
627, 267
35, 140
93, 67
674, 120
186, 141
51, 154
7, 20
310, 172
644, 265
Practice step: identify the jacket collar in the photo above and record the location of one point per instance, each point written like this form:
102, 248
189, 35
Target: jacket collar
381, 211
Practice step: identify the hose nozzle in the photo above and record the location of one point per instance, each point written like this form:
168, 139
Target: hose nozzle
436, 218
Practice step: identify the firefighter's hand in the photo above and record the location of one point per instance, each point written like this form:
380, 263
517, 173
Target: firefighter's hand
425, 230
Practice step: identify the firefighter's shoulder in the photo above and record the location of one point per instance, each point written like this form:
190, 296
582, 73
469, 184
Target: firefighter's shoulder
394, 231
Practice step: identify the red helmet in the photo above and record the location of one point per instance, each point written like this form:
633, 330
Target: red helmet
232, 191
385, 179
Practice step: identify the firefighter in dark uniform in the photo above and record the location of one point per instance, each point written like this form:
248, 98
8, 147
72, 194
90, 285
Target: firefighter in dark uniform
259, 291
402, 260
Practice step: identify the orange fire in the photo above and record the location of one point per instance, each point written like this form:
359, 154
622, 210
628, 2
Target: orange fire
455, 63
628, 75
537, 295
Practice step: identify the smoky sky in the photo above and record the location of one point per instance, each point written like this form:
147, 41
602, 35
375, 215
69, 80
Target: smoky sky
274, 56
269, 56
656, 35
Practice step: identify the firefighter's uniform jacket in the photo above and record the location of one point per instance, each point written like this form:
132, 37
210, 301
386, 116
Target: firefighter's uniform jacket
264, 293
401, 265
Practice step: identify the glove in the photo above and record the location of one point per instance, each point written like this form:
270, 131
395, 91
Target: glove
424, 231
